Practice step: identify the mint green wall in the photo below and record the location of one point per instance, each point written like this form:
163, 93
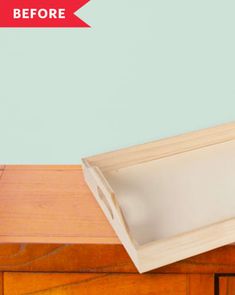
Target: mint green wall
146, 69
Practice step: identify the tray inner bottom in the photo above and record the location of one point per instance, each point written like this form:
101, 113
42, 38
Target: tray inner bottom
177, 194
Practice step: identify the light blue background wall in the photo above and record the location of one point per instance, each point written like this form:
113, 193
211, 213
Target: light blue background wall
145, 70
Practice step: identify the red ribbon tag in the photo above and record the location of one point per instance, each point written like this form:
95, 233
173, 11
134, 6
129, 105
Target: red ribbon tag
41, 13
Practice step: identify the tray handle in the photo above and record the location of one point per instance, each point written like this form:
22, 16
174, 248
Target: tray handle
108, 198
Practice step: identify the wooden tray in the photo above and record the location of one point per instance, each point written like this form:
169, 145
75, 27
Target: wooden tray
170, 199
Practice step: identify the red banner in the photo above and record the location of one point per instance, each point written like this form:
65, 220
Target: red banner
41, 13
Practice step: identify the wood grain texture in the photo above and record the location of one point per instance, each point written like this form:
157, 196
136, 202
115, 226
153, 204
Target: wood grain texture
103, 258
223, 286
38, 283
65, 258
84, 284
2, 167
227, 285
50, 204
200, 284
1, 283
35, 190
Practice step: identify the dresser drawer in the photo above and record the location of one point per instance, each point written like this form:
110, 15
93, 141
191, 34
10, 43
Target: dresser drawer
225, 284
19, 283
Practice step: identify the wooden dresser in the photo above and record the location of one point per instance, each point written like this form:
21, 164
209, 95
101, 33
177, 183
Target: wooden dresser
54, 239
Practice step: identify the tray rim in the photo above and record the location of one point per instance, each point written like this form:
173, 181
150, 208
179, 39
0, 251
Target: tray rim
151, 255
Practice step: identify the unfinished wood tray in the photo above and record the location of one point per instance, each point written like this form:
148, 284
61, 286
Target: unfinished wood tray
170, 199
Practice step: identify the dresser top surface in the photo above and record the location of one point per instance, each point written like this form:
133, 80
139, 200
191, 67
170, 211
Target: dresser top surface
50, 204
